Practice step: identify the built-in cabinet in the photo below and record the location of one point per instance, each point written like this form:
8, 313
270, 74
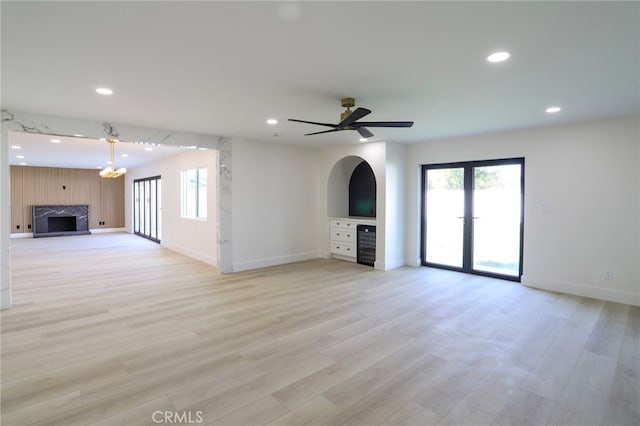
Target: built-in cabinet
59, 186
351, 201
343, 240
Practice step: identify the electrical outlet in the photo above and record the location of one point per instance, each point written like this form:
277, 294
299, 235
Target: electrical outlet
608, 276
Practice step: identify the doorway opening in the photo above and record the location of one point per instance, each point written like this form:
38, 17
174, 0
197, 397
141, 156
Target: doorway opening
473, 216
147, 208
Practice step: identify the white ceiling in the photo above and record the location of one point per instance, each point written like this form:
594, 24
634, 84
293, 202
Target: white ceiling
223, 68
34, 149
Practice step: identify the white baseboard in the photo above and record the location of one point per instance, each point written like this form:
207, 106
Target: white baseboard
21, 235
5, 299
105, 230
395, 264
274, 261
611, 295
324, 254
209, 260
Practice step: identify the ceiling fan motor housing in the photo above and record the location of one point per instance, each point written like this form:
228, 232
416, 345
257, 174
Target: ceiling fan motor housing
347, 103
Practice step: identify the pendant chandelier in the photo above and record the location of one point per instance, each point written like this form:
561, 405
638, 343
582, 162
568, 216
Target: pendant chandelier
110, 171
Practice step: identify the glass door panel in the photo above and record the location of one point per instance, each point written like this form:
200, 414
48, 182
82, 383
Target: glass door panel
159, 208
136, 209
153, 208
473, 218
497, 219
146, 208
444, 211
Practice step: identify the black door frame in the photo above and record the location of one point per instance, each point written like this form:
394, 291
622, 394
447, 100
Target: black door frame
467, 260
143, 214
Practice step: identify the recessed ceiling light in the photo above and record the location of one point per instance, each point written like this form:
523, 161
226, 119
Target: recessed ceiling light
23, 164
363, 139
55, 141
148, 148
498, 57
124, 155
16, 147
272, 121
553, 109
19, 156
104, 91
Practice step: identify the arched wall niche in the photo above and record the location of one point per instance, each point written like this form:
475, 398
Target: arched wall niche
338, 185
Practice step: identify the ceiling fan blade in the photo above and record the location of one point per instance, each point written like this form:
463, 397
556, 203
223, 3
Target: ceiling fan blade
313, 122
364, 132
384, 124
324, 131
354, 116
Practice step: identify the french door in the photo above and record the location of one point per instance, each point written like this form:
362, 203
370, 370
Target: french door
472, 217
147, 218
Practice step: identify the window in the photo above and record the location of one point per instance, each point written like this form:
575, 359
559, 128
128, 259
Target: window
194, 194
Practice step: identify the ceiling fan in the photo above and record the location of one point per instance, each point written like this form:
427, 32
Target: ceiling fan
349, 121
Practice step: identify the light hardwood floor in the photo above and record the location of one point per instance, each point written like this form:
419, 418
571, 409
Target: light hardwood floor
109, 329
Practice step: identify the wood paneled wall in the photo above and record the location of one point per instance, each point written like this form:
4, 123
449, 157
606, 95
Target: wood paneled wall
50, 185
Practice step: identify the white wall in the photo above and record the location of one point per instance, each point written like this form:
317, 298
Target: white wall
582, 196
5, 220
275, 204
194, 238
395, 203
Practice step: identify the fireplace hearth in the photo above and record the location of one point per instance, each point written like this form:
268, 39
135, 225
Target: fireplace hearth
60, 220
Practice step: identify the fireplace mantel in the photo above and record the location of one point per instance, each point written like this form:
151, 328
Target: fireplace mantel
60, 220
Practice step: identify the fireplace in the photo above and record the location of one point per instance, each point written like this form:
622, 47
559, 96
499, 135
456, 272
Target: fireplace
60, 220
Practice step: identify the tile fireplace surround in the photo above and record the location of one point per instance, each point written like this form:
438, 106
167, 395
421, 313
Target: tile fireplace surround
60, 220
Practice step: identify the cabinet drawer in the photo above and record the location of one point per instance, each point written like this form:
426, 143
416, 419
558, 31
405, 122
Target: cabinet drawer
339, 223
343, 234
345, 249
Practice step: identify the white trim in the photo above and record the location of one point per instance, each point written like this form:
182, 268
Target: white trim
398, 263
105, 230
274, 261
611, 295
209, 260
5, 299
21, 235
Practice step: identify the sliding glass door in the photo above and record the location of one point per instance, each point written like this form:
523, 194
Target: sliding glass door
473, 216
147, 208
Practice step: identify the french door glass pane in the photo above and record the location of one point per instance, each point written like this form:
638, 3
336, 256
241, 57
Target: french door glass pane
136, 207
444, 216
147, 208
152, 209
159, 207
496, 219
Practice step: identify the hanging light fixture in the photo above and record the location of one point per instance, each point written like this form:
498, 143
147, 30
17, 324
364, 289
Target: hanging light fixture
110, 171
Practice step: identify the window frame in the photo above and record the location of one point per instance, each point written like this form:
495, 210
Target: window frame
190, 207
